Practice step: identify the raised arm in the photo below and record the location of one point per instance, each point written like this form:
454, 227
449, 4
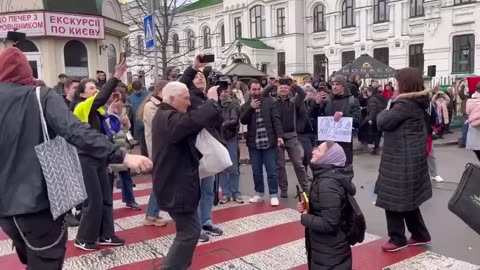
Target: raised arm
102, 97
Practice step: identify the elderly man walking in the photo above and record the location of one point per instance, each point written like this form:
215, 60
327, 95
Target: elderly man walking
176, 182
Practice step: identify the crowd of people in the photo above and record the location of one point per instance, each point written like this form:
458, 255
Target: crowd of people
105, 118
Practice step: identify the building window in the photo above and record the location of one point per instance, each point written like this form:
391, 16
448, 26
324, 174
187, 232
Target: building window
281, 64
348, 7
319, 64
381, 54
126, 45
175, 43
380, 11
415, 57
238, 27
264, 68
112, 59
140, 44
257, 21
319, 18
463, 2
190, 41
416, 8
281, 21
222, 35
463, 53
347, 57
76, 59
207, 38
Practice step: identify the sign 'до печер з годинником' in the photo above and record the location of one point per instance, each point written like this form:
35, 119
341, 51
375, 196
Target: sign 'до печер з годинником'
36, 24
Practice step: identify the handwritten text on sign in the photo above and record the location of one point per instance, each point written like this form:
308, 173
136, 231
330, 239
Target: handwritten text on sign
329, 130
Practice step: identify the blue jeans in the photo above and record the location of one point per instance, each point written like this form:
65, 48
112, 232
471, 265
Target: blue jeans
230, 178
267, 157
127, 189
152, 208
205, 206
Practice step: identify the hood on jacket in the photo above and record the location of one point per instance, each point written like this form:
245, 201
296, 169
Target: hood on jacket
15, 68
422, 98
344, 175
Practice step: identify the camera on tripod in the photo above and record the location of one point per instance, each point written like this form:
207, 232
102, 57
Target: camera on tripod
218, 79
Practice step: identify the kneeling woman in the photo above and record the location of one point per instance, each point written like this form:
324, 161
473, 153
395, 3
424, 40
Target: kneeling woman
97, 214
326, 242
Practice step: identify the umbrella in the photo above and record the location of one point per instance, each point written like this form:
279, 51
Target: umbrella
367, 68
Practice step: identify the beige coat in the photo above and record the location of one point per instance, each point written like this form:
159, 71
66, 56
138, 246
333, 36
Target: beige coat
149, 111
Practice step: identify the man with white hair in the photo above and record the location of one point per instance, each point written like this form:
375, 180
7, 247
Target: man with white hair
176, 182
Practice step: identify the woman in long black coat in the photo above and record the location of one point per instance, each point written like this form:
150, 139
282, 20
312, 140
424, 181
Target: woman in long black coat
404, 183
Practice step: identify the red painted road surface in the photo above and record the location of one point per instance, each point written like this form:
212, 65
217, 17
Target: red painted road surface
257, 236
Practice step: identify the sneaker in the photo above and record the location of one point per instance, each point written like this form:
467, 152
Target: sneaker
238, 200
412, 242
274, 202
113, 241
71, 220
212, 230
437, 179
134, 206
256, 199
203, 237
86, 246
390, 247
225, 200
155, 221
284, 194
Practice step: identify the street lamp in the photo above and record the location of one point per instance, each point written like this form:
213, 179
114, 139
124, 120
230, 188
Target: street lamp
466, 51
258, 66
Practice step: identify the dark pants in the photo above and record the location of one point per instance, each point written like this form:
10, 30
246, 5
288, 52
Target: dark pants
416, 226
127, 188
295, 153
348, 149
140, 136
308, 143
40, 230
181, 251
267, 157
97, 213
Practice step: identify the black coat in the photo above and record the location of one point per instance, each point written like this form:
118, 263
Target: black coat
23, 189
327, 246
404, 183
176, 182
271, 118
231, 124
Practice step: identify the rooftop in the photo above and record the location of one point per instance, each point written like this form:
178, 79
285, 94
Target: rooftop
255, 43
91, 7
200, 4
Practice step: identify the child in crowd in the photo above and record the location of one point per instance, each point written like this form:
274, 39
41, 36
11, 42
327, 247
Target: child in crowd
326, 243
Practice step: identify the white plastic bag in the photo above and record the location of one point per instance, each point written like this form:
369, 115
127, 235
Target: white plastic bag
215, 156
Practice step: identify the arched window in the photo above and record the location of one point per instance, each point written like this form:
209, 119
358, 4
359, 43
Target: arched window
27, 46
207, 38
222, 35
238, 27
257, 22
319, 18
76, 59
380, 11
175, 43
348, 7
112, 58
416, 8
190, 41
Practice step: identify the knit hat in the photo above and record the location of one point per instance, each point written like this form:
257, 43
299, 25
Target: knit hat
341, 80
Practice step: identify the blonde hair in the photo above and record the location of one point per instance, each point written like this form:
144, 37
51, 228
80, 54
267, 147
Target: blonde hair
157, 92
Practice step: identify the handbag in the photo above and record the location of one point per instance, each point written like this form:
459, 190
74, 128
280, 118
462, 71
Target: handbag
215, 157
465, 202
61, 169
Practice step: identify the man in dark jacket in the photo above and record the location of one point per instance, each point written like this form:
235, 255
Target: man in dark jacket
376, 104
264, 135
176, 182
340, 104
24, 206
60, 87
195, 79
288, 107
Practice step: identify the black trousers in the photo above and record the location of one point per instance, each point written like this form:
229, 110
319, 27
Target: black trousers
180, 254
40, 230
416, 226
308, 143
97, 213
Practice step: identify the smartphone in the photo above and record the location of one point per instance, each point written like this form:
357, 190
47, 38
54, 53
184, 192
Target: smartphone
285, 81
123, 55
116, 96
207, 58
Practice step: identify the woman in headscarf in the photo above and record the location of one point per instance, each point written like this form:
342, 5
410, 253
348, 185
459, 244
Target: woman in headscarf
404, 183
146, 112
326, 242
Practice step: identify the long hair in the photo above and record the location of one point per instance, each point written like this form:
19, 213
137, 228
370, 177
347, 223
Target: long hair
80, 90
157, 92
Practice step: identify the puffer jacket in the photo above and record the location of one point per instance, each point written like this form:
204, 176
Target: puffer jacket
404, 183
326, 242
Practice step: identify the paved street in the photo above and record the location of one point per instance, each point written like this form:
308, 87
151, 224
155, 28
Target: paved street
258, 236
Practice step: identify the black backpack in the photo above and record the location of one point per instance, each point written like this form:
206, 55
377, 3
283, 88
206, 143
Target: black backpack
355, 225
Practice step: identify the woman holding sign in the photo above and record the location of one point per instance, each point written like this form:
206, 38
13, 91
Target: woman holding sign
404, 183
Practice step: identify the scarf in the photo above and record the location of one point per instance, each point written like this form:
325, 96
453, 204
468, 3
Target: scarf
334, 156
15, 68
442, 111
